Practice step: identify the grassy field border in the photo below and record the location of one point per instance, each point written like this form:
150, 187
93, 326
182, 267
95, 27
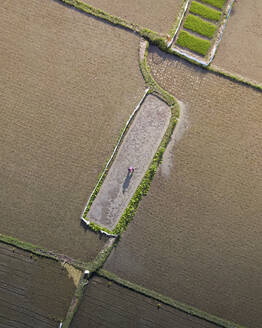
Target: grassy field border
75, 302
41, 252
200, 26
204, 11
167, 300
174, 29
153, 37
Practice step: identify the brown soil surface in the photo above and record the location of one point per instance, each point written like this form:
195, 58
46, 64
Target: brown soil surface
68, 84
110, 305
34, 291
197, 234
137, 150
158, 16
241, 46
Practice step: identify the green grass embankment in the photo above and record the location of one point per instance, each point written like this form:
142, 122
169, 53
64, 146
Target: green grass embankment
168, 300
216, 3
198, 45
204, 11
39, 251
198, 25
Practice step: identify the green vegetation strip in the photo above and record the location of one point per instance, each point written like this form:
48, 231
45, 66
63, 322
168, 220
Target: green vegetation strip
235, 78
189, 41
101, 14
78, 295
101, 258
179, 17
154, 37
36, 250
204, 11
168, 301
200, 26
216, 3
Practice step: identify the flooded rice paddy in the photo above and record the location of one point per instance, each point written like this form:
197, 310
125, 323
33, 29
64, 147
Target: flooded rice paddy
197, 234
241, 47
157, 15
68, 84
107, 304
34, 291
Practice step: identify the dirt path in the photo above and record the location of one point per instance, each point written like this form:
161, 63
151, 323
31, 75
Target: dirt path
137, 150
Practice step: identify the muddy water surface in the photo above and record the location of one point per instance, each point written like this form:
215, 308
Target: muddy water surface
68, 85
197, 234
35, 292
106, 304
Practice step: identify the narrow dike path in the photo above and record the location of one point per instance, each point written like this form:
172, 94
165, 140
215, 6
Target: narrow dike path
137, 150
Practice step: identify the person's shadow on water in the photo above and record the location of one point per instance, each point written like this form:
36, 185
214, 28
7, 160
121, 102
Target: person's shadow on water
127, 181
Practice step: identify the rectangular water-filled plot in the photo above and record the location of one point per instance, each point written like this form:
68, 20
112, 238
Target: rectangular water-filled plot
68, 84
196, 236
35, 291
106, 304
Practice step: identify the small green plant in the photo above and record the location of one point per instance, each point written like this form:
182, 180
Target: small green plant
198, 45
200, 26
204, 11
216, 3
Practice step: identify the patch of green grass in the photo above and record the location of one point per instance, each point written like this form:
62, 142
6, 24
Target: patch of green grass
216, 3
198, 25
204, 11
198, 45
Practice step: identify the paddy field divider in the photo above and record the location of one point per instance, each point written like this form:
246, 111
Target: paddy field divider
159, 40
167, 300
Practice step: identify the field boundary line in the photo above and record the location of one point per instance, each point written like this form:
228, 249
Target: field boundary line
235, 77
180, 19
75, 302
42, 252
193, 311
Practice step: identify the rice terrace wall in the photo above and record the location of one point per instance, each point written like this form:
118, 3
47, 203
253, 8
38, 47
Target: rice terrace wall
90, 88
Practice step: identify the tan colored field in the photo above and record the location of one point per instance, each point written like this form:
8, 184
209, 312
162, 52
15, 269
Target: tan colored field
241, 47
68, 84
35, 292
197, 234
109, 305
158, 16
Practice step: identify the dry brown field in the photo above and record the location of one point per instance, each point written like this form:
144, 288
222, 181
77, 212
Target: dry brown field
197, 234
241, 46
68, 84
34, 292
107, 304
158, 16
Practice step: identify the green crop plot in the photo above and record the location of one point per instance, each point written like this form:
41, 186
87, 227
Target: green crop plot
216, 3
200, 26
193, 43
204, 11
